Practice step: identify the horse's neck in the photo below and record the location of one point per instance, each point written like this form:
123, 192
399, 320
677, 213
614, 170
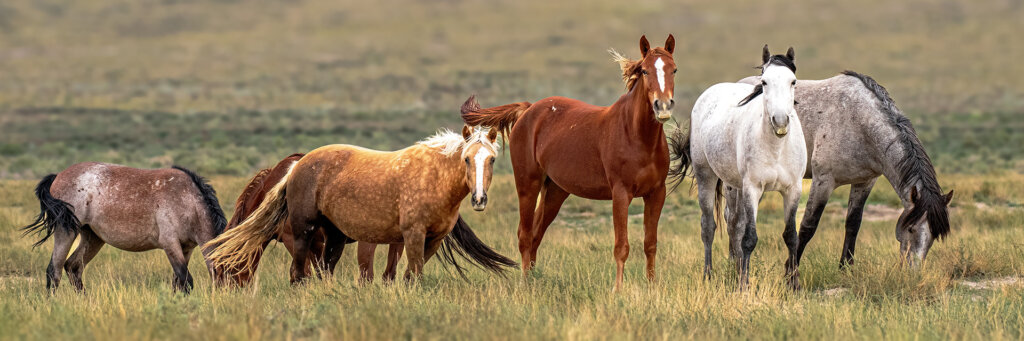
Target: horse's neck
894, 154
452, 177
635, 112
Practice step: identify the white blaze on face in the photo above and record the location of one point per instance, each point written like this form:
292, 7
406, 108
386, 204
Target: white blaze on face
481, 156
660, 65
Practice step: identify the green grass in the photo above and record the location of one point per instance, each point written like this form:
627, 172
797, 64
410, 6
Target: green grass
128, 295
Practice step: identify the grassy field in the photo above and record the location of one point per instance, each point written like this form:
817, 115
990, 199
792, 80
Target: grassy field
228, 86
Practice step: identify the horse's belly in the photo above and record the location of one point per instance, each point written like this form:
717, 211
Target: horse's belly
366, 222
128, 237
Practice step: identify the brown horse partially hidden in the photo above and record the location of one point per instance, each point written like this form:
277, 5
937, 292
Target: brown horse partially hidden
129, 208
410, 196
251, 198
560, 146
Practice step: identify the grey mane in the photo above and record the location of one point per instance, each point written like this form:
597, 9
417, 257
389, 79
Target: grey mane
915, 167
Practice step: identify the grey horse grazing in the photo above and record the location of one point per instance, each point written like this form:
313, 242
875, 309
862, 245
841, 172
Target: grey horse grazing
131, 209
750, 139
854, 133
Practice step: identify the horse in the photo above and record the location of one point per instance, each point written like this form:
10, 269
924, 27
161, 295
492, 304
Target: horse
854, 133
253, 195
561, 146
409, 196
132, 209
751, 146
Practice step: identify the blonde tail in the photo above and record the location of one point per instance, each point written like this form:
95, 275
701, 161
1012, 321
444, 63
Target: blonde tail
238, 248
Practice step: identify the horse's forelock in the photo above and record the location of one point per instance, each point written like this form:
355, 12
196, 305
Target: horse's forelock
780, 60
932, 206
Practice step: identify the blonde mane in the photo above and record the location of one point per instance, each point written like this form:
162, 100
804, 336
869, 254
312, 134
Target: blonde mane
630, 68
448, 142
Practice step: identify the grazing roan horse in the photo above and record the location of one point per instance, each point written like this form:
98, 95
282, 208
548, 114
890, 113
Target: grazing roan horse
410, 196
561, 146
130, 209
748, 138
854, 133
251, 198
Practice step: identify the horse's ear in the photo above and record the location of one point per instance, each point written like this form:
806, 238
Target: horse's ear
644, 46
913, 194
670, 44
466, 132
765, 55
791, 54
492, 135
948, 197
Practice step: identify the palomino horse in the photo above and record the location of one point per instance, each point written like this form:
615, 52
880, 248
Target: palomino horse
854, 133
410, 196
131, 209
252, 197
560, 146
752, 146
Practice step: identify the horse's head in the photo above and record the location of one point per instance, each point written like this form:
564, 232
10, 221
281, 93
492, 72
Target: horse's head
924, 219
778, 82
657, 73
479, 152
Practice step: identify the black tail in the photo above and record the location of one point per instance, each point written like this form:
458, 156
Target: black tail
463, 241
679, 157
209, 195
53, 213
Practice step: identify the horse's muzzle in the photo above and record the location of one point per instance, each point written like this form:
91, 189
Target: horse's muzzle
663, 109
479, 205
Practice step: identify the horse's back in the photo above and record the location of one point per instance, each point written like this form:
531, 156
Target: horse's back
125, 205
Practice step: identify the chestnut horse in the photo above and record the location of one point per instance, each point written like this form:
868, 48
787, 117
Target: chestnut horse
129, 208
410, 196
561, 146
251, 198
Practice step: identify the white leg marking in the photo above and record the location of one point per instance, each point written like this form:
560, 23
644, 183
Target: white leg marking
660, 65
481, 156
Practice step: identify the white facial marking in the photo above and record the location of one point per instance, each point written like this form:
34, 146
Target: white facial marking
481, 156
553, 108
660, 65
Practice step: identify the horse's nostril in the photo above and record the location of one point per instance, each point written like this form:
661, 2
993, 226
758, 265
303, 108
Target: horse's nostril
671, 103
657, 104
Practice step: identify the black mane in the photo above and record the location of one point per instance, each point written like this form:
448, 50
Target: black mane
915, 167
210, 201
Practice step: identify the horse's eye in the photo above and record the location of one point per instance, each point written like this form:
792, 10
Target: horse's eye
763, 83
644, 72
794, 82
467, 160
674, 71
492, 161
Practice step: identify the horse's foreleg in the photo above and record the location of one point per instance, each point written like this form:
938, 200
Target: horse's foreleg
821, 187
653, 204
855, 211
365, 257
62, 241
415, 243
89, 245
551, 199
789, 235
620, 217
394, 253
748, 200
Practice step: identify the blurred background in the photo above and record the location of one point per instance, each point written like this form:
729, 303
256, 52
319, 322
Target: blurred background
230, 86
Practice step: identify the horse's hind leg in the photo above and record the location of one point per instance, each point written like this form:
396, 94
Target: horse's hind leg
333, 246
179, 262
706, 181
858, 196
789, 235
394, 253
88, 246
551, 199
62, 241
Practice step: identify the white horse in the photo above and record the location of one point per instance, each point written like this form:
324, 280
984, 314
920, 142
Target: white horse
750, 145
